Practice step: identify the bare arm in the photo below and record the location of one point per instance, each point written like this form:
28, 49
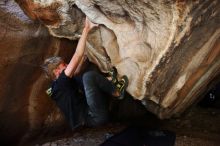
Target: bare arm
80, 67
78, 55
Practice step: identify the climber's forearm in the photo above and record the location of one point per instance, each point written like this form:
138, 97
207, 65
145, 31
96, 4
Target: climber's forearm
77, 57
80, 67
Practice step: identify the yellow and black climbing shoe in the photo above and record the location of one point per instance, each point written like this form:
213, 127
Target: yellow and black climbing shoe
121, 86
113, 74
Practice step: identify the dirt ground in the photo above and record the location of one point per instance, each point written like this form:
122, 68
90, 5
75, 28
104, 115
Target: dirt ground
197, 127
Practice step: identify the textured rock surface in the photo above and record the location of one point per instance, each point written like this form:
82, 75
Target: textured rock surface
168, 49
25, 110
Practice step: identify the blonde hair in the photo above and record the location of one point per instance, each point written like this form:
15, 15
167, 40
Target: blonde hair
50, 64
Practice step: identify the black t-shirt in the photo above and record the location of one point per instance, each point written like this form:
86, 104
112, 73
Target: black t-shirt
67, 92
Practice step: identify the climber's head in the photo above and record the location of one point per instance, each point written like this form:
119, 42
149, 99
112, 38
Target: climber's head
54, 66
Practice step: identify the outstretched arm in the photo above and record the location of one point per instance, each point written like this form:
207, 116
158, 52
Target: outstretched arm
78, 55
81, 65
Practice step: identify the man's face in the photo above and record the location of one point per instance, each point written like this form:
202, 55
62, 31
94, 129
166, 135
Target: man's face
59, 69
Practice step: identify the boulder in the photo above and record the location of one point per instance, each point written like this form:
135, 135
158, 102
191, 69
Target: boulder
168, 49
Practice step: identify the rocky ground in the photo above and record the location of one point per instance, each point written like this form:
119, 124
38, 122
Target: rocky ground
197, 127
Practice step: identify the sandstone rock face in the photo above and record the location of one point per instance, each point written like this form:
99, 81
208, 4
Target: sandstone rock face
26, 113
169, 49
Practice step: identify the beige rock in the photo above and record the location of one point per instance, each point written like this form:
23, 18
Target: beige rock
168, 49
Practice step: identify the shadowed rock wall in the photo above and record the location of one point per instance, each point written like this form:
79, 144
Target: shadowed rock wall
26, 113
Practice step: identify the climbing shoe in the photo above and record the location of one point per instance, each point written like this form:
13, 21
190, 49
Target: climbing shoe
121, 86
113, 74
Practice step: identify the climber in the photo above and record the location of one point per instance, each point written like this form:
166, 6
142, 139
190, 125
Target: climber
82, 99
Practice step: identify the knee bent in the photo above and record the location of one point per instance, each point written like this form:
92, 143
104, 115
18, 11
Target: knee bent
89, 76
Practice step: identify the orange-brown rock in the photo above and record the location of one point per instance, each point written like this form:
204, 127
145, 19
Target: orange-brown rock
169, 49
26, 113
48, 14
